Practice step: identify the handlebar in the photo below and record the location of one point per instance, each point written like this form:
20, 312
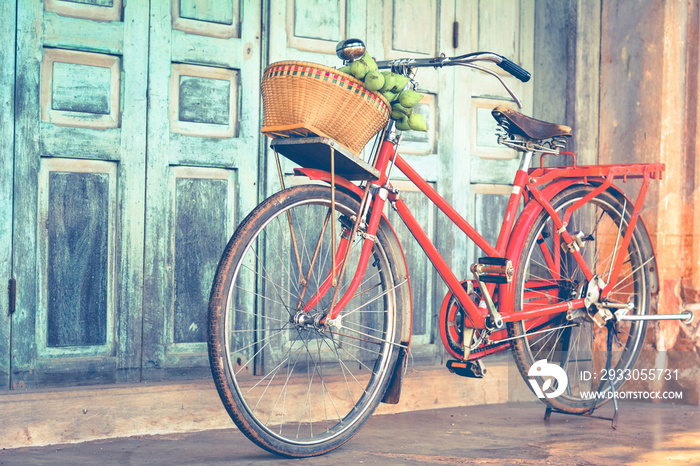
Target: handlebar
403, 65
465, 60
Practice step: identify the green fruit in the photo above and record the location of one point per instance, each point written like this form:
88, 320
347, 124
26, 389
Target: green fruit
400, 82
398, 111
403, 124
344, 69
374, 81
369, 61
390, 96
417, 123
359, 69
389, 81
409, 98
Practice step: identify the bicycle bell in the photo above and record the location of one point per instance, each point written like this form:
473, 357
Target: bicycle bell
350, 49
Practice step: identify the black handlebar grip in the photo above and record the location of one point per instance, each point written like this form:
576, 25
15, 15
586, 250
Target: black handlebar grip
517, 71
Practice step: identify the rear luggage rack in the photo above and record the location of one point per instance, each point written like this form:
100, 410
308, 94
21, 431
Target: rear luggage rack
315, 152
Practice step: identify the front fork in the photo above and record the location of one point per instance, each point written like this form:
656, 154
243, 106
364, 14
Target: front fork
386, 152
369, 239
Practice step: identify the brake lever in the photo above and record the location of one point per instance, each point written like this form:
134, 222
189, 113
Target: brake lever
497, 76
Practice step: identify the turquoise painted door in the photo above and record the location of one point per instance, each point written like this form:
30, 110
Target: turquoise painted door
137, 125
424, 29
202, 167
505, 27
457, 154
79, 178
308, 30
300, 30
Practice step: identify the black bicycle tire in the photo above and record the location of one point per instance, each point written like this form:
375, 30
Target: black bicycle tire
521, 347
231, 398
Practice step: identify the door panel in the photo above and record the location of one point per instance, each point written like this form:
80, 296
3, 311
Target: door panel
203, 203
80, 89
427, 289
203, 133
77, 213
97, 10
78, 192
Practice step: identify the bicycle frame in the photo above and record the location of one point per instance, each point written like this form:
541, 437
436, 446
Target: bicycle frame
536, 185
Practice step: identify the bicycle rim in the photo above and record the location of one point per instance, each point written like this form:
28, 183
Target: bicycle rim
580, 346
301, 390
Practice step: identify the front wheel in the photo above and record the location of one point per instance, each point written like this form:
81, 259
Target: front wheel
295, 385
548, 275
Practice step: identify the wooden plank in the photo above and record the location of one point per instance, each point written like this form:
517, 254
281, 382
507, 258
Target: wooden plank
71, 33
499, 26
550, 74
205, 50
156, 265
26, 170
216, 152
7, 138
587, 82
65, 141
131, 189
496, 171
413, 26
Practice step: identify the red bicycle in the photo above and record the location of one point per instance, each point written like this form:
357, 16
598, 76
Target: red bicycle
310, 310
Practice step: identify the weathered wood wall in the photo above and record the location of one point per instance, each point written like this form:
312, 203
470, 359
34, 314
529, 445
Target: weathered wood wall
649, 113
130, 149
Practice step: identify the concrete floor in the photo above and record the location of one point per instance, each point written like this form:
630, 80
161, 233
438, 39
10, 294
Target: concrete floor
511, 433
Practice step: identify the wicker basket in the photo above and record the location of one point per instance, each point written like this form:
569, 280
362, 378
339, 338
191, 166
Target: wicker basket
305, 99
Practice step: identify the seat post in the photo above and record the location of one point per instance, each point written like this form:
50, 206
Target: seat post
525, 160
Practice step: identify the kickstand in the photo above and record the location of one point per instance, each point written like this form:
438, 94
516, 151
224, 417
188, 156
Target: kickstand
608, 363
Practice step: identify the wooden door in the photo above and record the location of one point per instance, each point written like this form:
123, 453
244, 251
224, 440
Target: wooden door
202, 167
78, 191
308, 30
505, 27
424, 29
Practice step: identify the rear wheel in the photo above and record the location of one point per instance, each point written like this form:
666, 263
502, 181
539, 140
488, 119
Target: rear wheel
294, 385
547, 275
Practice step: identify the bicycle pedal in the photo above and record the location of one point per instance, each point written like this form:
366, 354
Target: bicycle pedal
493, 270
472, 369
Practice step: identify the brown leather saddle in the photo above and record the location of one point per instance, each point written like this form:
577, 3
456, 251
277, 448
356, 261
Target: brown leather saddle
529, 127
